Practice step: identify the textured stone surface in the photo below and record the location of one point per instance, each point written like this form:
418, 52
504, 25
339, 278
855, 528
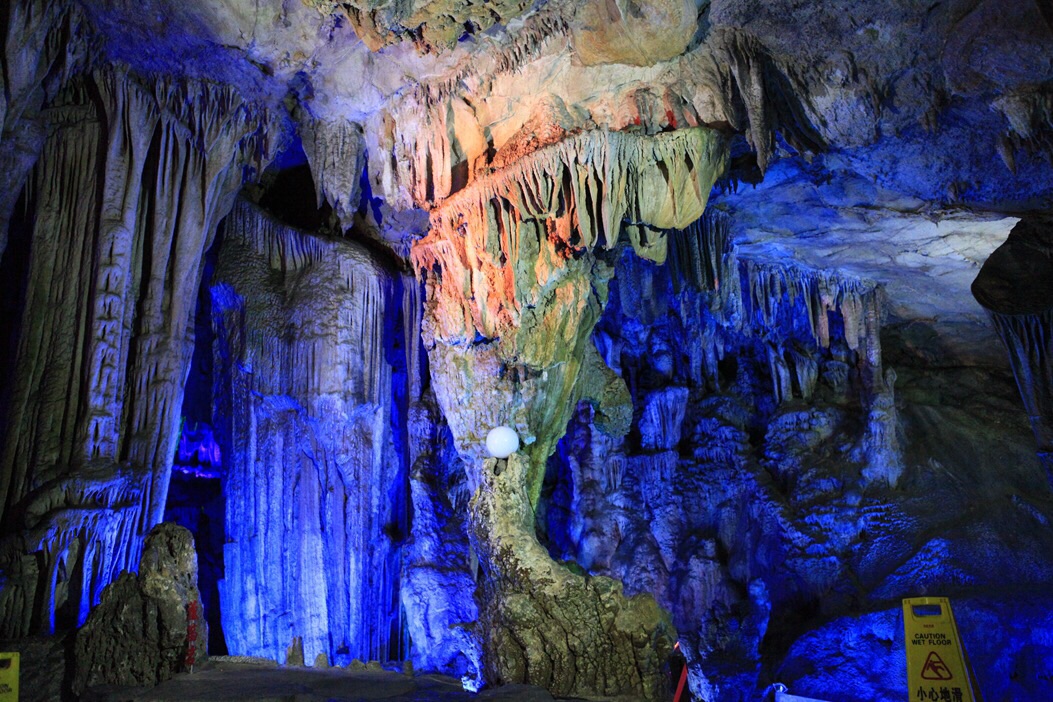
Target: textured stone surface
776, 498
147, 627
1015, 285
123, 202
309, 417
548, 626
514, 287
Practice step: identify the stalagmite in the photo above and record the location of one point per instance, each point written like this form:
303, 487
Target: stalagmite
548, 626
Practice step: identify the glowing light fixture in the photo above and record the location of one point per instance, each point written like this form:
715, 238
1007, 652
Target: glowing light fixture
502, 442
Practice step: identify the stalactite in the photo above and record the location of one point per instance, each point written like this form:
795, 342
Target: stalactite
1029, 340
762, 88
128, 188
663, 415
43, 47
584, 188
337, 155
1015, 288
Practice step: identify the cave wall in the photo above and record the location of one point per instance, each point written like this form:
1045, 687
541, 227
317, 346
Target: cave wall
776, 498
111, 230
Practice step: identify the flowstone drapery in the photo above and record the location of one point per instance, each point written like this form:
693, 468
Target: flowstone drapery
330, 444
314, 492
516, 280
121, 206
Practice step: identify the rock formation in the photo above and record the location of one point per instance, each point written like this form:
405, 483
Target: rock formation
709, 260
1016, 287
122, 204
314, 427
148, 627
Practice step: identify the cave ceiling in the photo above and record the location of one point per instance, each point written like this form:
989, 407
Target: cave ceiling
897, 141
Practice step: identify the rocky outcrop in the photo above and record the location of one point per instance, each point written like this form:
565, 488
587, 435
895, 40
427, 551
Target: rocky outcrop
147, 627
1015, 286
514, 286
515, 280
549, 626
743, 377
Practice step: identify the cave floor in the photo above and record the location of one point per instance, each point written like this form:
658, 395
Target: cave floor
224, 681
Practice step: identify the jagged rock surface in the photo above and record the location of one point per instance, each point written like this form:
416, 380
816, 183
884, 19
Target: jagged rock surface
147, 627
785, 448
514, 288
1016, 287
776, 497
548, 626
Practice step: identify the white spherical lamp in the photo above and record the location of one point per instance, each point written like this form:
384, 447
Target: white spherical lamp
502, 442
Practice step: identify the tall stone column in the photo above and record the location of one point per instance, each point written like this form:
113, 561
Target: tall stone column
516, 280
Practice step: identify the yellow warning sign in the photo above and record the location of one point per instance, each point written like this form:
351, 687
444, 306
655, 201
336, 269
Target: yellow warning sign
937, 670
8, 677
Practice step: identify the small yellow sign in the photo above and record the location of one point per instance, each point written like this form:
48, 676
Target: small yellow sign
936, 665
8, 677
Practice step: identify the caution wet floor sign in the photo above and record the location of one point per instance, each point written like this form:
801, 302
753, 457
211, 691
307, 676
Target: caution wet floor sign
8, 677
936, 664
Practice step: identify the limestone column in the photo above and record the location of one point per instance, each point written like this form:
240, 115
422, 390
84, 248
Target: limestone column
515, 274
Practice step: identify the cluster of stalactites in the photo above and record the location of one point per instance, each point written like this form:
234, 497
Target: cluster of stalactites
766, 91
785, 305
428, 144
776, 288
1029, 340
702, 256
337, 154
570, 197
85, 524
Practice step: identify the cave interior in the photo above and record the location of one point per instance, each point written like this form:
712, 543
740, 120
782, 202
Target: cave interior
763, 288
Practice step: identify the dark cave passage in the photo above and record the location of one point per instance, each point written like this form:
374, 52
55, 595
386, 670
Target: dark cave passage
195, 493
